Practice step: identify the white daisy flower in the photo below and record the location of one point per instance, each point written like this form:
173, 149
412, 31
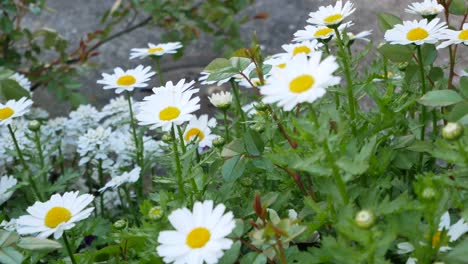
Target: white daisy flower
127, 80
6, 183
311, 32
361, 35
12, 109
306, 47
126, 177
453, 233
221, 100
56, 215
416, 32
155, 50
166, 107
200, 129
331, 15
22, 80
302, 80
454, 37
278, 60
199, 236
9, 226
412, 261
426, 8
180, 86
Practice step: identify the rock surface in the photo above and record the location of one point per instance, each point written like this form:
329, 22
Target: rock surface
73, 19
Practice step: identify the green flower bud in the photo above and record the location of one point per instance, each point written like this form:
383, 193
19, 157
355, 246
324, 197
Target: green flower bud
258, 128
364, 219
402, 66
34, 125
120, 224
246, 181
452, 131
219, 142
155, 213
260, 106
166, 138
429, 193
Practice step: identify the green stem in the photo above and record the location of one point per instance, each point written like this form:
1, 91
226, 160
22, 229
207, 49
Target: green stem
314, 116
339, 181
67, 245
177, 160
61, 158
25, 165
181, 138
226, 125
462, 150
37, 140
349, 81
158, 69
130, 206
235, 91
138, 149
423, 107
101, 183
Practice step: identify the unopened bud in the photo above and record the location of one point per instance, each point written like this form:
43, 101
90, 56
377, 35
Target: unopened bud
120, 224
452, 131
34, 125
258, 128
219, 142
429, 193
260, 106
246, 181
166, 138
155, 213
364, 219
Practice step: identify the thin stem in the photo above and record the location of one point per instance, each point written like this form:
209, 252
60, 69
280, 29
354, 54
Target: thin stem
67, 245
462, 150
139, 153
423, 107
37, 140
349, 80
61, 159
226, 125
336, 174
25, 165
158, 69
130, 206
235, 90
177, 160
181, 139
101, 183
281, 249
314, 116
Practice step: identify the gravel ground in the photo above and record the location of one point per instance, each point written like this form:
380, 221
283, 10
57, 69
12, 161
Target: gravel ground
73, 19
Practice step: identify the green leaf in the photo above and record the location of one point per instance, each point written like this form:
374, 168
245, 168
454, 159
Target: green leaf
106, 253
34, 243
253, 258
440, 98
457, 7
239, 63
217, 65
8, 238
464, 86
234, 148
436, 74
230, 256
354, 167
396, 53
10, 256
459, 254
387, 21
429, 53
5, 73
233, 168
11, 90
253, 143
221, 75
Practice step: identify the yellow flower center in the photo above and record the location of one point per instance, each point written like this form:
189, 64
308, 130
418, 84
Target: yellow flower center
463, 35
6, 112
301, 49
154, 50
194, 132
333, 18
198, 237
301, 83
436, 239
126, 80
56, 216
257, 82
281, 65
169, 113
417, 34
323, 32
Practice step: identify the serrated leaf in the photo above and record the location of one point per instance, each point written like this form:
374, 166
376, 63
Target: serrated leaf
440, 98
387, 21
34, 243
396, 53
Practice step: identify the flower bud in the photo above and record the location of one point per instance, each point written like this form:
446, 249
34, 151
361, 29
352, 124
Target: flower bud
258, 128
402, 66
429, 193
452, 131
221, 100
219, 142
34, 125
246, 181
260, 106
120, 224
364, 219
155, 213
166, 138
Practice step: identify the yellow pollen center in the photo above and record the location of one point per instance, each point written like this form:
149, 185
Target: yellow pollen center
463, 35
56, 216
301, 49
436, 239
154, 50
281, 65
6, 112
301, 83
323, 32
417, 34
194, 132
126, 80
333, 18
257, 83
198, 237
169, 113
